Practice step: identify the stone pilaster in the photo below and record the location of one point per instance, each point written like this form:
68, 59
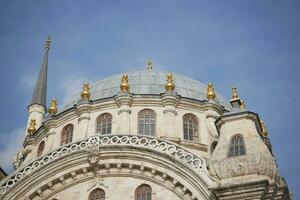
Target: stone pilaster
212, 111
51, 126
124, 101
83, 110
170, 101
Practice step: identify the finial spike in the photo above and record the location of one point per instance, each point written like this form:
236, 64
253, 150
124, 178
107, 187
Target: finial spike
124, 86
170, 86
264, 132
149, 65
48, 43
85, 93
211, 95
53, 107
32, 129
235, 95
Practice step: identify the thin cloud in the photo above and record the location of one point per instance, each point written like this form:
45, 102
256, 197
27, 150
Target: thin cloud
13, 143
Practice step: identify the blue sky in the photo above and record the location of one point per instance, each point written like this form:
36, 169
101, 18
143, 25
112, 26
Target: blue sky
252, 44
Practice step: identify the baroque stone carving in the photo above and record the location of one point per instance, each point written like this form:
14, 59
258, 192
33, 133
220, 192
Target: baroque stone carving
258, 163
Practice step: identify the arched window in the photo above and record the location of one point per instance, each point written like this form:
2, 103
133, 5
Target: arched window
41, 149
143, 192
104, 123
97, 194
190, 127
146, 122
237, 146
67, 134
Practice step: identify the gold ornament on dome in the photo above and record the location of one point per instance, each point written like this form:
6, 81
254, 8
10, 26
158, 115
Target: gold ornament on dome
264, 131
53, 107
124, 86
85, 93
31, 129
243, 105
149, 65
170, 86
235, 96
211, 95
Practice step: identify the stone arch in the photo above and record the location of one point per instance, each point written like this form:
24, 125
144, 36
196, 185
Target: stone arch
143, 157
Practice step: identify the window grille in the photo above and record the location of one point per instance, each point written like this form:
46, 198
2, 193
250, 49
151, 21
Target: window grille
104, 124
237, 146
147, 122
143, 192
67, 134
97, 194
190, 127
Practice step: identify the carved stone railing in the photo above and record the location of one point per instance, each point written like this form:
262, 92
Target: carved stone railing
95, 143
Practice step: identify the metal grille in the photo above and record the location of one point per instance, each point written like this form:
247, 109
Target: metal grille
67, 134
147, 122
104, 123
190, 127
97, 194
237, 146
143, 192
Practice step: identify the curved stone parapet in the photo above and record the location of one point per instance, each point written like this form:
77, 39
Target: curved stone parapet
96, 143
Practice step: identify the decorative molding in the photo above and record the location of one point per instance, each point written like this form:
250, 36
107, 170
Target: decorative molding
93, 144
124, 110
170, 110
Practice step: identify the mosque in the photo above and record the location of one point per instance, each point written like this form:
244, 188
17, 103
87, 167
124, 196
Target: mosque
143, 135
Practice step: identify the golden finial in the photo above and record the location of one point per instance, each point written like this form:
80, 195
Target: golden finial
124, 86
234, 94
211, 95
170, 86
85, 93
53, 107
31, 129
48, 42
149, 65
243, 105
264, 132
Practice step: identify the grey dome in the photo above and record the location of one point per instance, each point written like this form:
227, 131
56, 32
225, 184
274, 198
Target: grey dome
145, 82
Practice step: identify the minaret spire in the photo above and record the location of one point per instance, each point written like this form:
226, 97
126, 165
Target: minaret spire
40, 90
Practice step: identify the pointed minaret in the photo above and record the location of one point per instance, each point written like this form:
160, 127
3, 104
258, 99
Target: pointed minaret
39, 93
37, 108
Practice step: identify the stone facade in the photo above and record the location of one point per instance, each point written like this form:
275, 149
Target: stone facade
118, 163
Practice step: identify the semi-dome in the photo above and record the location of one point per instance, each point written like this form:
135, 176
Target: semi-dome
148, 83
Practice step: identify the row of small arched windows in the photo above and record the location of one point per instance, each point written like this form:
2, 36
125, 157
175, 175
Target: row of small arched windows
143, 192
146, 126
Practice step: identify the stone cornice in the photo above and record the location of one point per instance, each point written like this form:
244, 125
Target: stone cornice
232, 116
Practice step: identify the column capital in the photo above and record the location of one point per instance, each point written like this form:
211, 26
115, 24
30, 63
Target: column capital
170, 99
124, 98
83, 106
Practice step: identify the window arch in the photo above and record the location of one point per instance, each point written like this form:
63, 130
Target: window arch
147, 122
41, 148
97, 194
104, 123
143, 192
190, 127
67, 134
237, 146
